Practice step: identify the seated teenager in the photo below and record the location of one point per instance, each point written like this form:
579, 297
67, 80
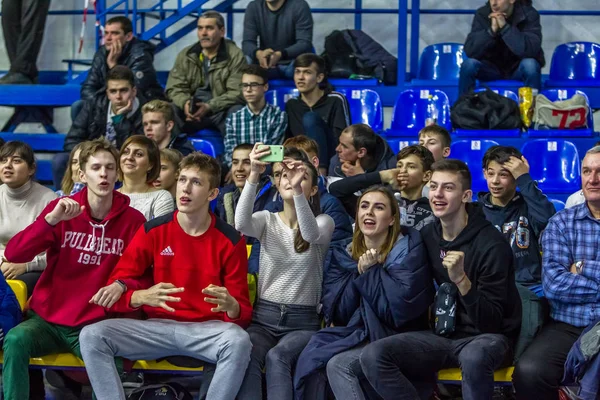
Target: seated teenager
71, 183
21, 201
159, 125
375, 285
407, 179
187, 254
169, 169
480, 315
139, 166
90, 229
437, 140
360, 150
571, 279
294, 244
319, 112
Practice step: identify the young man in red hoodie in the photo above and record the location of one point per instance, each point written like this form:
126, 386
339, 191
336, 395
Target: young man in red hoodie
84, 236
192, 253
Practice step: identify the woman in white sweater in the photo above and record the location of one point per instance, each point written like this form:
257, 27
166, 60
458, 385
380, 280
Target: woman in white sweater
139, 166
293, 246
21, 201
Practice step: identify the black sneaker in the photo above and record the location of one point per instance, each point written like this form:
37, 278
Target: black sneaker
132, 380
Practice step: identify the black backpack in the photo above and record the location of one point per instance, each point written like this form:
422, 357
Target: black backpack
352, 51
485, 110
161, 391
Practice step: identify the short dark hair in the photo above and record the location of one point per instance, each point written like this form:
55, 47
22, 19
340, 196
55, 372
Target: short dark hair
500, 154
124, 21
457, 167
2, 142
121, 73
203, 163
18, 148
254, 69
436, 130
216, 15
243, 146
363, 136
421, 152
94, 146
307, 59
153, 155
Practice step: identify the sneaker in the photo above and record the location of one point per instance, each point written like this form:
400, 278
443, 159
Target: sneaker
15, 78
132, 380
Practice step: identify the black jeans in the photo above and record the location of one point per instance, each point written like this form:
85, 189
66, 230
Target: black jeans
404, 366
540, 369
23, 23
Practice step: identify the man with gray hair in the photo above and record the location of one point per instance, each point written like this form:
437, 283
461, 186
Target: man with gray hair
205, 81
571, 280
577, 197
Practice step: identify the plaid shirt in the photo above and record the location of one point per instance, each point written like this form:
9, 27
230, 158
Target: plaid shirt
572, 235
244, 126
77, 186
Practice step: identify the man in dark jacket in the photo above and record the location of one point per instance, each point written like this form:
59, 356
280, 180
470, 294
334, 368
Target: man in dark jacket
275, 33
472, 259
505, 43
159, 125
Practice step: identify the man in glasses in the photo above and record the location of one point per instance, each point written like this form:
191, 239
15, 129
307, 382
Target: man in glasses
258, 121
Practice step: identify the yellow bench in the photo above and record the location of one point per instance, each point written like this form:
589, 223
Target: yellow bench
454, 375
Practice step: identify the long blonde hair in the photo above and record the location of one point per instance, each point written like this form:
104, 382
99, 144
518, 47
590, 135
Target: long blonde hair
66, 185
359, 247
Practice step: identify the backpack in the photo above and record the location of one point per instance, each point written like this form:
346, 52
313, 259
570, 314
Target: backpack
352, 51
161, 391
485, 110
568, 114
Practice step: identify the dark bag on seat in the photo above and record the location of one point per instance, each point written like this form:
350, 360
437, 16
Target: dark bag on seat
161, 391
485, 110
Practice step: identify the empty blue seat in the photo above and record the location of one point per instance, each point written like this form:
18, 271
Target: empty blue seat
558, 205
204, 146
471, 152
481, 133
554, 164
397, 144
365, 107
441, 62
278, 97
578, 62
38, 141
410, 111
563, 94
214, 137
43, 171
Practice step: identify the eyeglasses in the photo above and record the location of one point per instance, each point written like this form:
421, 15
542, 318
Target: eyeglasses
251, 85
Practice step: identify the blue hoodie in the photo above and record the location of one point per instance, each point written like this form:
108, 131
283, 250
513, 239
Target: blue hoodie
10, 310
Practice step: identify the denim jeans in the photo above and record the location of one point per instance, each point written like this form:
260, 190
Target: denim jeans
316, 129
279, 333
404, 366
529, 71
281, 71
345, 374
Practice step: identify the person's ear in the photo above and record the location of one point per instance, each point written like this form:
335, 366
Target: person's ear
467, 196
446, 152
213, 194
314, 190
315, 161
266, 87
362, 152
427, 176
320, 78
170, 126
134, 92
82, 176
128, 36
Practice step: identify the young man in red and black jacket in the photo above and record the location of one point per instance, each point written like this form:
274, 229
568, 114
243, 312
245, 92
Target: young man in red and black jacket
196, 298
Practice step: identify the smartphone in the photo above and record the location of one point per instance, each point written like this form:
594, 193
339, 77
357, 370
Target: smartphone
276, 153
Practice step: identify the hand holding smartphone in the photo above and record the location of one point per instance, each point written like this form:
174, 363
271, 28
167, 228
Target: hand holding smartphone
276, 154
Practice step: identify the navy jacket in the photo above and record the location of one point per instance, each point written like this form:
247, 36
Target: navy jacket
520, 38
384, 158
385, 300
522, 222
583, 363
10, 310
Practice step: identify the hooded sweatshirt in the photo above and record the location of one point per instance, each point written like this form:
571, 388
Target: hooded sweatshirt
81, 254
493, 304
521, 222
384, 158
332, 107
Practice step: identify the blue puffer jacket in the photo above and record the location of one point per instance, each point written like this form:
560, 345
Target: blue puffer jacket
385, 300
10, 310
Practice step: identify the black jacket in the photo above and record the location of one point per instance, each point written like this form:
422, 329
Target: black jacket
90, 124
384, 158
522, 222
520, 38
493, 304
333, 108
181, 143
138, 55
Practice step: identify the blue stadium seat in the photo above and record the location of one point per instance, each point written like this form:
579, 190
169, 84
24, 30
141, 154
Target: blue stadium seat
212, 136
554, 164
38, 141
482, 133
440, 62
278, 97
365, 107
471, 152
558, 205
410, 111
43, 171
204, 146
576, 62
397, 144
563, 94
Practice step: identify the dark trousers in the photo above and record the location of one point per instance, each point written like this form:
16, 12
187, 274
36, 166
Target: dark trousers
23, 23
529, 71
316, 129
59, 167
540, 369
211, 121
404, 366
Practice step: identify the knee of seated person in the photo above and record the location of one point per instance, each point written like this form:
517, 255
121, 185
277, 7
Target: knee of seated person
370, 356
476, 357
16, 339
470, 66
237, 338
90, 335
528, 370
278, 355
530, 66
336, 365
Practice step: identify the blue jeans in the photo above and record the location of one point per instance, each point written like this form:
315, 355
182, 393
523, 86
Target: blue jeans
529, 71
346, 377
316, 129
281, 71
279, 333
404, 366
59, 167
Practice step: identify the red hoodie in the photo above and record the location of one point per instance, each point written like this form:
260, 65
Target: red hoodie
81, 254
218, 256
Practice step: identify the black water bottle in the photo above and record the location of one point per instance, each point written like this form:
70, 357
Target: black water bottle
445, 309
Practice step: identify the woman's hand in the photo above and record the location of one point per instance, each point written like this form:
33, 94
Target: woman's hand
295, 172
256, 165
367, 260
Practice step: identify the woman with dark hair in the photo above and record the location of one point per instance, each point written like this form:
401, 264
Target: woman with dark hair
139, 166
293, 247
376, 285
21, 201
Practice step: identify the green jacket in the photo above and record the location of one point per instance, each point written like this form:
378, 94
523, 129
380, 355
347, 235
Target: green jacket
224, 76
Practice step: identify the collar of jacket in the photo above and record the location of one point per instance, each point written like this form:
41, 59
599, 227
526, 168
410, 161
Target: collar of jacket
222, 54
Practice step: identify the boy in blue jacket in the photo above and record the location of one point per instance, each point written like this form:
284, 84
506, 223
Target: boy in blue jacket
10, 310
